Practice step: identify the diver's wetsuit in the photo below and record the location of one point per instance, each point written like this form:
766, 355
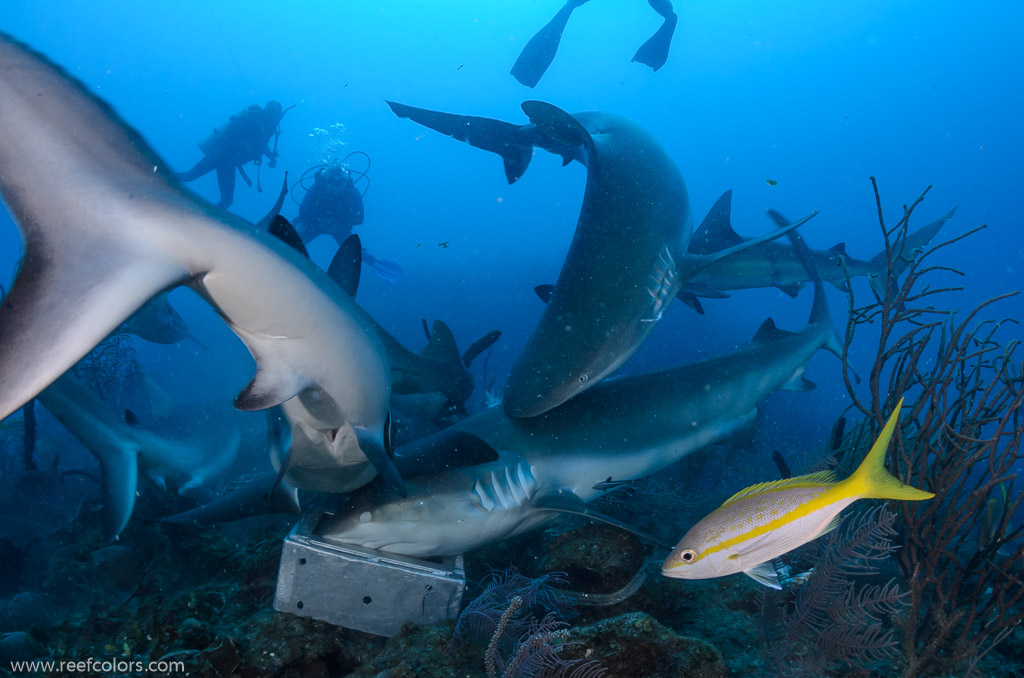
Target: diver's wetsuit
245, 138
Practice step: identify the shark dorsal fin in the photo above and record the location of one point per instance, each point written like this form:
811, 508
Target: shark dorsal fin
283, 230
838, 250
442, 345
347, 264
769, 332
715, 232
544, 292
809, 480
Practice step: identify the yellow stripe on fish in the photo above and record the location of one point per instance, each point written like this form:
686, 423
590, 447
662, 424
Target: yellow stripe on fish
766, 520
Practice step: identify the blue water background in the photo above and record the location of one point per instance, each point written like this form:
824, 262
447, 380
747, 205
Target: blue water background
814, 96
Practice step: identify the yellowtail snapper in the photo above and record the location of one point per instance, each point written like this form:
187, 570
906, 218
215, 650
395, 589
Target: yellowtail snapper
767, 520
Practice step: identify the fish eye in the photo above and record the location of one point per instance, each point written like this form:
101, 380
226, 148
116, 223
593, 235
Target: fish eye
688, 556
584, 378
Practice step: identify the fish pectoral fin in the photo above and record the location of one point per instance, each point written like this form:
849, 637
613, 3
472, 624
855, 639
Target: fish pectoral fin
765, 574
565, 501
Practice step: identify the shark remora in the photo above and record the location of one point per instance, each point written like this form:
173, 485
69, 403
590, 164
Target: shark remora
621, 429
628, 257
106, 227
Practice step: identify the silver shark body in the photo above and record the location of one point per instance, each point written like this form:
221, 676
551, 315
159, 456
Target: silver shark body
106, 227
628, 257
174, 463
621, 429
775, 264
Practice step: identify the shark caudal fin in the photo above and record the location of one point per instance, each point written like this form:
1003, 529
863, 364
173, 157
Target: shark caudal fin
820, 314
91, 421
882, 277
63, 153
496, 136
871, 480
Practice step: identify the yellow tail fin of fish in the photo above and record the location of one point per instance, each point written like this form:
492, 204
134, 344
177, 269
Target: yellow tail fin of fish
872, 480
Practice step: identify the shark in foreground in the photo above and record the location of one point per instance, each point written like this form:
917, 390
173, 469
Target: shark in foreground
764, 521
776, 264
517, 471
628, 257
190, 468
106, 227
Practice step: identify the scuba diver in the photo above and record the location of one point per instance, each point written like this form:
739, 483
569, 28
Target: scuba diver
333, 205
540, 51
244, 139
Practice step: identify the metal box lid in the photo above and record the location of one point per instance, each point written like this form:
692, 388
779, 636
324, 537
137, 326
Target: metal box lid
361, 588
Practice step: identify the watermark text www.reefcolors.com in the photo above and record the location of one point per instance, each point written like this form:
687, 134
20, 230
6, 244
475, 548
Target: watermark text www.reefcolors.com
111, 667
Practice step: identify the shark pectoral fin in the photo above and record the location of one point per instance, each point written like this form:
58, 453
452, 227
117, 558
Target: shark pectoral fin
120, 468
479, 346
556, 123
377, 455
765, 574
565, 501
272, 385
790, 289
691, 300
347, 264
496, 136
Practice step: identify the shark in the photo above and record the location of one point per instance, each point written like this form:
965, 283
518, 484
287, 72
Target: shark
106, 227
512, 473
628, 256
777, 264
188, 467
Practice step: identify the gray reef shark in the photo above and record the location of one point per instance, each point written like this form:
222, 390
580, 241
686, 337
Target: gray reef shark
775, 264
106, 227
628, 257
520, 470
190, 468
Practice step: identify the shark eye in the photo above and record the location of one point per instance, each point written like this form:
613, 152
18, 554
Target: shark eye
688, 556
584, 378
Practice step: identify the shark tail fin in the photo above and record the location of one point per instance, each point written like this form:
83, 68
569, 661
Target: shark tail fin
872, 480
884, 274
820, 314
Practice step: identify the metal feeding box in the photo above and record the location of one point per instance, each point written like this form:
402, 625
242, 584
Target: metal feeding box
360, 588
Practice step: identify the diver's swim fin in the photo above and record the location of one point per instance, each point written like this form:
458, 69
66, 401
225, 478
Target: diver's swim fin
540, 51
654, 52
